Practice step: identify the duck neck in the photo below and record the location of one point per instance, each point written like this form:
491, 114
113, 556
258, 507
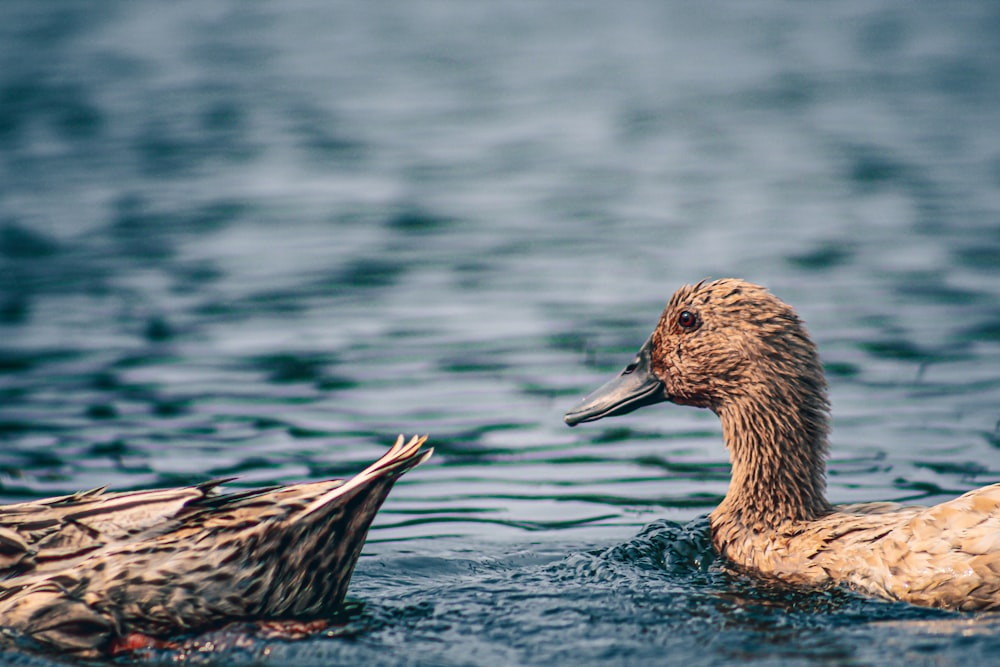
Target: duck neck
778, 453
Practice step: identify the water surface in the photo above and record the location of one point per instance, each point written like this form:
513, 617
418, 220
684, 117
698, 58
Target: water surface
261, 241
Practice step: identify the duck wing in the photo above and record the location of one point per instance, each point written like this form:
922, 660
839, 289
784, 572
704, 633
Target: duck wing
285, 553
947, 555
951, 553
43, 535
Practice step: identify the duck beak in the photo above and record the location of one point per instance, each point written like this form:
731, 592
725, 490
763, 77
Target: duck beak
631, 389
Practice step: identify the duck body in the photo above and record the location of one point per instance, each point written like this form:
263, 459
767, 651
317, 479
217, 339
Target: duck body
78, 573
732, 347
941, 556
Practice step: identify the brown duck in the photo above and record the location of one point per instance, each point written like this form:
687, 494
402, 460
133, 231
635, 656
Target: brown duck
91, 572
732, 347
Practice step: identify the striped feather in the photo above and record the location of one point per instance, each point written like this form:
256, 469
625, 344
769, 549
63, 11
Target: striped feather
184, 560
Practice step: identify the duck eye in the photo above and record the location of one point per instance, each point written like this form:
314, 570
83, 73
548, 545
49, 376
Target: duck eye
687, 319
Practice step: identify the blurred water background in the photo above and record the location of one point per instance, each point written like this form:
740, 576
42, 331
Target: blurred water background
261, 239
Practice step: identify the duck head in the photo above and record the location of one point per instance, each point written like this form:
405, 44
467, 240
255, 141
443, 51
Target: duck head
734, 348
718, 345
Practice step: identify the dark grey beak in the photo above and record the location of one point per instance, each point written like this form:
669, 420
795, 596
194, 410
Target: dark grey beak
633, 388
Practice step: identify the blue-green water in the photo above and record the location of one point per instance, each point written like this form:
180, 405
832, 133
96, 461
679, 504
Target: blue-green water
261, 239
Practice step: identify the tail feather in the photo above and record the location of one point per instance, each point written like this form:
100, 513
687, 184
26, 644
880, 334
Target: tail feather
329, 532
400, 458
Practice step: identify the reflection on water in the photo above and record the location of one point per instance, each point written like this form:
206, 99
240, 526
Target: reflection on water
261, 241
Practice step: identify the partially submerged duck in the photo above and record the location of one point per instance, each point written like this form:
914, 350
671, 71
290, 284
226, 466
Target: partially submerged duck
734, 348
97, 572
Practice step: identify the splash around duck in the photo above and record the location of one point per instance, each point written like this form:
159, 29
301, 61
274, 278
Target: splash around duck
736, 349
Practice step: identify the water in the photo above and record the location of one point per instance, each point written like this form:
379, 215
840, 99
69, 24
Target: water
261, 240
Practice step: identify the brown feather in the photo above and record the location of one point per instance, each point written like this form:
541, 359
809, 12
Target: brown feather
181, 560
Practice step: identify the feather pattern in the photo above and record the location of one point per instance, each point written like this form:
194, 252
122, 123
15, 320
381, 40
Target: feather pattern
84, 570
